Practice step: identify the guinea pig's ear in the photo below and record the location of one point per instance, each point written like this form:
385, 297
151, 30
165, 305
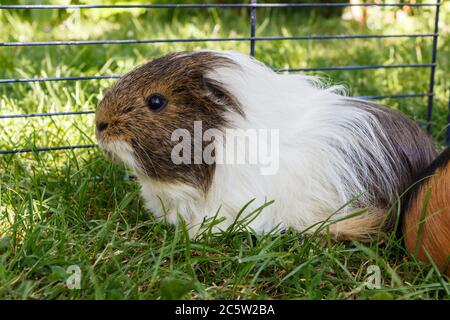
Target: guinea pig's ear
217, 92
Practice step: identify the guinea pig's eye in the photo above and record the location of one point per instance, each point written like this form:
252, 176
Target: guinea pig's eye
156, 102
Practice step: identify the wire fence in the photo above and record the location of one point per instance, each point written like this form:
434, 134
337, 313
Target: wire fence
253, 7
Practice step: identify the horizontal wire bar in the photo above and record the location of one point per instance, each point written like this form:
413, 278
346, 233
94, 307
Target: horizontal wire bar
224, 5
48, 149
394, 96
25, 80
45, 114
51, 114
268, 38
358, 67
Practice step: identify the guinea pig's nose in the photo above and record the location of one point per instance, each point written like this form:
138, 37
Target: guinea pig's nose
101, 126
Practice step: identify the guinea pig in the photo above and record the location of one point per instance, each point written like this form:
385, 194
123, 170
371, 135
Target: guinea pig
332, 158
426, 214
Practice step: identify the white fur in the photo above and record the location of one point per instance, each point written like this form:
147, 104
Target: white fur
123, 151
325, 144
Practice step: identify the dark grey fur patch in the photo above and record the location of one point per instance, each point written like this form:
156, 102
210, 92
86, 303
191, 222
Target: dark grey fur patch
408, 148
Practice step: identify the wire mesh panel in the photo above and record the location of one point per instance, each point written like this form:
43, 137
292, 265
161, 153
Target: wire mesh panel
253, 39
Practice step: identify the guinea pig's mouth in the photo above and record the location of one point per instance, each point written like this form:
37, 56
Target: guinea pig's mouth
119, 151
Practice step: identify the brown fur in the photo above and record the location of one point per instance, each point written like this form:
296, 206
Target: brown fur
435, 224
182, 78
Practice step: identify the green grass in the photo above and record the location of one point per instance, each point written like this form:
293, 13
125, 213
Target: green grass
74, 208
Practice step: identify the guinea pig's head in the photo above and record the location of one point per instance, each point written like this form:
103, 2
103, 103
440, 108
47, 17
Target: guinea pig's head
138, 114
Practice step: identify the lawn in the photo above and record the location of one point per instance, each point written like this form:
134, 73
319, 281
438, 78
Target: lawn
72, 207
